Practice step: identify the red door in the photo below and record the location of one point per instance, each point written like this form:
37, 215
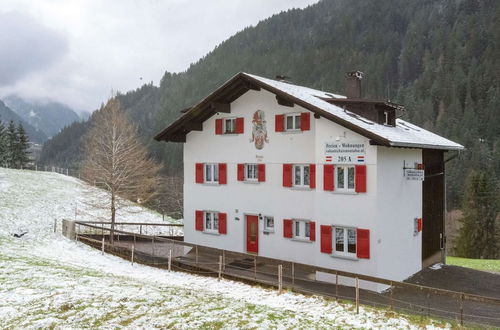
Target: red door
252, 233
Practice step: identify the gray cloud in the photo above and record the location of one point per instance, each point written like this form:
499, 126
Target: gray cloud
26, 46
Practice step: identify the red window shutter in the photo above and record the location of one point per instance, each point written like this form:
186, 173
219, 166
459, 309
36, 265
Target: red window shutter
312, 230
312, 176
287, 175
360, 179
222, 173
262, 172
240, 127
279, 123
199, 220
305, 121
222, 223
218, 126
363, 243
326, 238
328, 171
241, 172
419, 224
199, 173
287, 228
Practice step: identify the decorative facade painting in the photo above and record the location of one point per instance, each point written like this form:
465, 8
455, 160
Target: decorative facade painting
259, 130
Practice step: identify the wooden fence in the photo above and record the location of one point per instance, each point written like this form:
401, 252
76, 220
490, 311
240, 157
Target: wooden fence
170, 252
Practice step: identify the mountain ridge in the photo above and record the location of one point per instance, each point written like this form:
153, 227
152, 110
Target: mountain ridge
7, 114
48, 117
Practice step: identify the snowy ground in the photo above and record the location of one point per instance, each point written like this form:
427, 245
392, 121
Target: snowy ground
48, 281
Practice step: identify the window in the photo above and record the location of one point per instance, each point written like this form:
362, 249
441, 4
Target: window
268, 224
345, 178
301, 177
211, 173
212, 222
229, 125
251, 172
301, 229
292, 122
345, 241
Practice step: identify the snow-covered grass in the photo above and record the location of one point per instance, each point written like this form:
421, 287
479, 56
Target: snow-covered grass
488, 265
49, 281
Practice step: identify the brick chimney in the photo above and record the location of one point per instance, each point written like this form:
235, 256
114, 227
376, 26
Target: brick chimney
353, 84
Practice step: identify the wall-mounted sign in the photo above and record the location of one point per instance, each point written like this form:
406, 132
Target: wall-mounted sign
259, 129
414, 174
345, 152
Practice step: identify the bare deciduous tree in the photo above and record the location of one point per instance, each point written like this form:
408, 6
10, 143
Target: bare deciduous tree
116, 160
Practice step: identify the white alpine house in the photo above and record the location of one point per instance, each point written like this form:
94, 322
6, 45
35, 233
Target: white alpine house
293, 173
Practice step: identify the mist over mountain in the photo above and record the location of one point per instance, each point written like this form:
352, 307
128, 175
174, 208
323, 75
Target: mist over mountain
441, 59
7, 114
48, 117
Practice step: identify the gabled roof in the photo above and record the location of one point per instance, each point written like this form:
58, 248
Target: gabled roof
403, 134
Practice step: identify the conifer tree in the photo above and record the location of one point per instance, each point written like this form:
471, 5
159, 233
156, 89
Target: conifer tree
11, 145
22, 146
478, 235
3, 145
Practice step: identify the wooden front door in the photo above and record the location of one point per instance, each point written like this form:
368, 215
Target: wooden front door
252, 233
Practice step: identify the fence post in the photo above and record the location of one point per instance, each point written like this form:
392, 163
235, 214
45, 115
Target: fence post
293, 275
196, 261
132, 258
223, 260
140, 229
55, 225
428, 304
280, 278
392, 301
153, 249
462, 309
102, 252
357, 296
170, 260
255, 267
220, 268
336, 285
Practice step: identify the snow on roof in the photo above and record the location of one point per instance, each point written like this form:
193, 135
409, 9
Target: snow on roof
404, 134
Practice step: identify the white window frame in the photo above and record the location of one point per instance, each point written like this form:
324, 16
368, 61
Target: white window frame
211, 225
268, 229
301, 229
255, 172
302, 183
225, 121
296, 123
345, 187
345, 237
214, 173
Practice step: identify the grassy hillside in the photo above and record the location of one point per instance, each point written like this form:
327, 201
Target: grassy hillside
479, 264
439, 58
50, 282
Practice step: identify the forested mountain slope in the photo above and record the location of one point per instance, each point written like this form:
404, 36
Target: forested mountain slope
439, 58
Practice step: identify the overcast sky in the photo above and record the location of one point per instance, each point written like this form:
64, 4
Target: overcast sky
78, 51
